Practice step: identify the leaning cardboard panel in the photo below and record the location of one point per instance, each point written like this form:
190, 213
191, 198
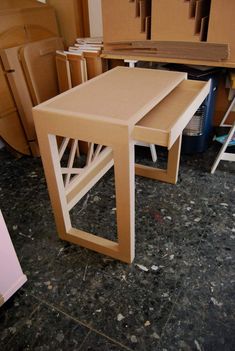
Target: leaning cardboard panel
16, 79
171, 20
11, 130
222, 24
63, 71
121, 22
38, 60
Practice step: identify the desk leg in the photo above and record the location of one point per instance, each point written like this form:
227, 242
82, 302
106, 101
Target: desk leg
64, 198
125, 200
169, 175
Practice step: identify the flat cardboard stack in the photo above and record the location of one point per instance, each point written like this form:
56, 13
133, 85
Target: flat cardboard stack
171, 49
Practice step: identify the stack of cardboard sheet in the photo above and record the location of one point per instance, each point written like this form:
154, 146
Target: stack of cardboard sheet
94, 44
175, 49
81, 62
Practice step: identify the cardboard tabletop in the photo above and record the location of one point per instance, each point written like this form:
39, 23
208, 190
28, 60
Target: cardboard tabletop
122, 95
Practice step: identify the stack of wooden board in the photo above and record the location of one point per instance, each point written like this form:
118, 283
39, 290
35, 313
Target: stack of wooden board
81, 62
94, 44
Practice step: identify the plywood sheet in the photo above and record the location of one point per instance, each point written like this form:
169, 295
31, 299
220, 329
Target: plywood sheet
120, 22
171, 21
122, 95
222, 24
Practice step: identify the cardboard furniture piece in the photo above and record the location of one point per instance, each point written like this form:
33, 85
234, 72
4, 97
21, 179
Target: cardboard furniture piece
120, 113
11, 275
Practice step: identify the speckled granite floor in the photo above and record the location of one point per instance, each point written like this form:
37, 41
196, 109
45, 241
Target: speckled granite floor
177, 295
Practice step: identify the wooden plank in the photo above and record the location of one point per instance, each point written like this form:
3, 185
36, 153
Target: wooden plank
95, 243
94, 64
63, 71
77, 69
125, 195
194, 55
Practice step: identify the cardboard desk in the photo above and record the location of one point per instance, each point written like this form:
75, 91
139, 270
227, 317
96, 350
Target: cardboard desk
111, 111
